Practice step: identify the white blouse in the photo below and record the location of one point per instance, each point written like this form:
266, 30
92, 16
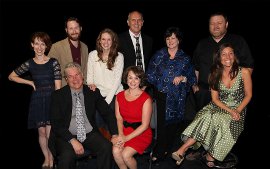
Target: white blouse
107, 81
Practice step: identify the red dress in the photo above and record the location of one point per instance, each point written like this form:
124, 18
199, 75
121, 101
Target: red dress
131, 111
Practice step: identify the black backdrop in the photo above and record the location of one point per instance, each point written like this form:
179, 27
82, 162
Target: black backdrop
19, 19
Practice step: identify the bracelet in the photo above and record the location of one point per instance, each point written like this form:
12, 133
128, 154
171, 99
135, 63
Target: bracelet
184, 79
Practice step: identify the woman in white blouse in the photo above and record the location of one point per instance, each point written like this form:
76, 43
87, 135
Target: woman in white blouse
105, 68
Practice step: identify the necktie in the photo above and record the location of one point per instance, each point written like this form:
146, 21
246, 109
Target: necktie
81, 134
138, 53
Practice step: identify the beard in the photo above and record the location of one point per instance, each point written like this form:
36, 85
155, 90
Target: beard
74, 38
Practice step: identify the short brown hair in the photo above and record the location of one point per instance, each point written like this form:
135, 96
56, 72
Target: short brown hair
43, 37
138, 71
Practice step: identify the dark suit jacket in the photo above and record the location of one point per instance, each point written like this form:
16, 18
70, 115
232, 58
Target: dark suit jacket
61, 110
126, 47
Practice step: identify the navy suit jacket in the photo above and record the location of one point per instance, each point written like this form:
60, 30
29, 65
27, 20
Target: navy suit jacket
126, 47
61, 111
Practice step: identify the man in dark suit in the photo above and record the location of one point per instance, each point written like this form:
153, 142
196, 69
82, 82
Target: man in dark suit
64, 121
127, 45
127, 41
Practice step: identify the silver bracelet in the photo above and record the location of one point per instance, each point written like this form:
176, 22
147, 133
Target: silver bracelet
184, 79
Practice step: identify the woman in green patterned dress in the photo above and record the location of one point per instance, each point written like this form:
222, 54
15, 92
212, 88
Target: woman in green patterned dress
218, 125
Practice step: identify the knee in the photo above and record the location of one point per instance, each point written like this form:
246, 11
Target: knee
117, 152
42, 132
126, 156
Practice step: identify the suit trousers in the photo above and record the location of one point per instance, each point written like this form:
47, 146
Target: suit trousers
94, 142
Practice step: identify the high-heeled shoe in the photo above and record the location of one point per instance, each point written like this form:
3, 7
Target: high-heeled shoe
51, 166
179, 158
154, 160
45, 166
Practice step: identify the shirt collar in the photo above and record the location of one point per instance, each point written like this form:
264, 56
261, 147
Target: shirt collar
133, 35
73, 92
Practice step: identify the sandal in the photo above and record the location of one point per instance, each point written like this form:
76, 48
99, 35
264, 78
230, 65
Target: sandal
209, 163
179, 158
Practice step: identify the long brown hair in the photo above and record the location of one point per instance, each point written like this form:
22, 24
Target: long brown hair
113, 50
217, 67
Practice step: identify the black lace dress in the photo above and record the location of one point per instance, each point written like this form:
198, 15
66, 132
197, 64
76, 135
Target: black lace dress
43, 76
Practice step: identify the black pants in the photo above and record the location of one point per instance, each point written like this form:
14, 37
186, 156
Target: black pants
195, 102
99, 120
203, 97
94, 142
165, 133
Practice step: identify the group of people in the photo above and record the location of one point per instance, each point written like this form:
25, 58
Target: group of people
113, 88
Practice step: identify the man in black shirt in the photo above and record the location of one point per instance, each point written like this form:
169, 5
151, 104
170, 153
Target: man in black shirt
203, 60
206, 48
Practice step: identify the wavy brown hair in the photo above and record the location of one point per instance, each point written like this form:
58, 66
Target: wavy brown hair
113, 50
217, 67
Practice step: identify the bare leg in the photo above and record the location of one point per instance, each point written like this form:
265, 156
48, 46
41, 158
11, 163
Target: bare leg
209, 157
48, 129
124, 157
128, 156
179, 154
189, 142
117, 154
42, 138
43, 135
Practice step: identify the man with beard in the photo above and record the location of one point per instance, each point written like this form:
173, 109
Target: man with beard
71, 49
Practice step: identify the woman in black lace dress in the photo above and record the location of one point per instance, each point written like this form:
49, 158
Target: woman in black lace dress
46, 77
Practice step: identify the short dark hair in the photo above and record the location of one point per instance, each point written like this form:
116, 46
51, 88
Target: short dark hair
219, 14
72, 19
44, 37
138, 71
169, 31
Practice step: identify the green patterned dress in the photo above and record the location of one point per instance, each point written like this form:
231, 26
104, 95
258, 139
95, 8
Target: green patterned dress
214, 127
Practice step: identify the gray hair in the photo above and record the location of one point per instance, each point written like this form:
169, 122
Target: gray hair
134, 12
71, 65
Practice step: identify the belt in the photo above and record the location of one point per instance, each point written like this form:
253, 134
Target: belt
132, 125
44, 87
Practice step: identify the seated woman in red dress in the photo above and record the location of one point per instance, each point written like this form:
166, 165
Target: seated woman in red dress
133, 108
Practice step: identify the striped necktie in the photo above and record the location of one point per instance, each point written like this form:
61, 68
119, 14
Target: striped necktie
138, 53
